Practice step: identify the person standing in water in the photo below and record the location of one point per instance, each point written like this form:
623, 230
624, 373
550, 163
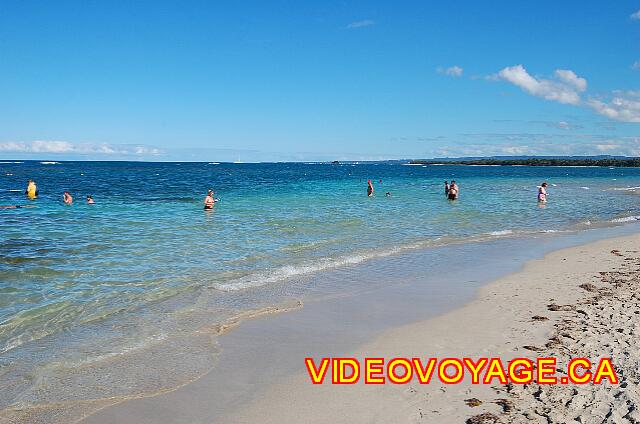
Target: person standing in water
446, 188
32, 190
542, 193
369, 188
209, 200
453, 191
66, 198
90, 200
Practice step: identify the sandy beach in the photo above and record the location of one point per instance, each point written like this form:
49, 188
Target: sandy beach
576, 302
581, 301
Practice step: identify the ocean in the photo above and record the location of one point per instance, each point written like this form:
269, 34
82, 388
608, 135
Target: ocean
125, 297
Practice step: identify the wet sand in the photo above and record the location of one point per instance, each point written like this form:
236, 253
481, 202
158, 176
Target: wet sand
269, 384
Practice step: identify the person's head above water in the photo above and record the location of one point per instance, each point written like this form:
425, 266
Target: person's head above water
544, 184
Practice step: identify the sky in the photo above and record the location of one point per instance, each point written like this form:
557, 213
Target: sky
306, 81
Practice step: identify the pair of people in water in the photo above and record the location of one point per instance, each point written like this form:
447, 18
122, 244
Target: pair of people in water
451, 190
68, 199
370, 189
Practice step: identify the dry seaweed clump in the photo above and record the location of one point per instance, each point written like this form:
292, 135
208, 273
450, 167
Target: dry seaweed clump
473, 402
486, 418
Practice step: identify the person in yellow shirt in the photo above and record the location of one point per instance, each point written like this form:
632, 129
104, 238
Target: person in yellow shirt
32, 190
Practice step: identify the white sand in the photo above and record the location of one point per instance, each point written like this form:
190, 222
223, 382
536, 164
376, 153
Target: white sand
601, 320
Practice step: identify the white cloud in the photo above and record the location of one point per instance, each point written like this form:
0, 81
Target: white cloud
361, 24
636, 65
57, 147
452, 71
541, 145
622, 106
565, 88
635, 16
572, 79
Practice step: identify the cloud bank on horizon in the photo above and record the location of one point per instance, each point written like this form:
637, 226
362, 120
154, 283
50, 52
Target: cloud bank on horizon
65, 147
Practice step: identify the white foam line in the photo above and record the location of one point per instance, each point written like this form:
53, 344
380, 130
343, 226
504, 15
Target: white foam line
627, 219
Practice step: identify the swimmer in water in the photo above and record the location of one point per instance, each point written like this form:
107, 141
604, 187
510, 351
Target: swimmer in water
67, 199
388, 194
453, 191
90, 200
369, 188
32, 190
209, 201
446, 188
542, 193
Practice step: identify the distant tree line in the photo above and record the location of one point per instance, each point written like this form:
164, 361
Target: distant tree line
617, 162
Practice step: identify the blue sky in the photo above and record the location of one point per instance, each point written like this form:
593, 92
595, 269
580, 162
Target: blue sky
283, 80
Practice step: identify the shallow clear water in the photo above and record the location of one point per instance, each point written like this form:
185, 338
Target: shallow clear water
146, 264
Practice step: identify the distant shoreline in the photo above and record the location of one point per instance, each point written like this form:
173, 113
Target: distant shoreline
575, 161
581, 163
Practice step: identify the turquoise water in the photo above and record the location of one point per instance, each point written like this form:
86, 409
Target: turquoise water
148, 270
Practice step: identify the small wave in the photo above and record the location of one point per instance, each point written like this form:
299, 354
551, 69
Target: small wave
15, 190
626, 188
214, 163
50, 163
585, 188
501, 233
288, 271
627, 219
8, 162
